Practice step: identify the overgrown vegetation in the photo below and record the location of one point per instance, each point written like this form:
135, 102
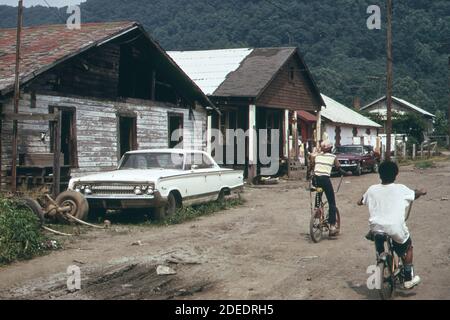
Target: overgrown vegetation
345, 57
189, 213
20, 233
424, 164
182, 215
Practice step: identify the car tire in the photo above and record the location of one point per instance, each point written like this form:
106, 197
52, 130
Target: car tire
375, 167
77, 202
358, 170
168, 209
35, 207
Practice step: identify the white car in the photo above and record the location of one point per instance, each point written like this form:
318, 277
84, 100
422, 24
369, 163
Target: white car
163, 179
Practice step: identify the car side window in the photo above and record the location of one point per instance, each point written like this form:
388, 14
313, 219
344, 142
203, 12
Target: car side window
206, 163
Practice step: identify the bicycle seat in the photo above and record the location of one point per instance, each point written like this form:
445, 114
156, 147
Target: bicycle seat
377, 236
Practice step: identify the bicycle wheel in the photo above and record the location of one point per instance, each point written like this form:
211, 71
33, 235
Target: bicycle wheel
315, 226
386, 281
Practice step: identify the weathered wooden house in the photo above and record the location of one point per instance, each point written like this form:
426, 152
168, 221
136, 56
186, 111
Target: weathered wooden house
260, 88
399, 106
344, 126
116, 90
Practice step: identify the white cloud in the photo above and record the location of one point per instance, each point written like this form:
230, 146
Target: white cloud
52, 3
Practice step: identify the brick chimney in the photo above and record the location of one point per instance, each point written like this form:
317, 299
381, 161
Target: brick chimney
356, 103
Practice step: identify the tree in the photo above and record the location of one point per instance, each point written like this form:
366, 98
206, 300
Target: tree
440, 124
410, 124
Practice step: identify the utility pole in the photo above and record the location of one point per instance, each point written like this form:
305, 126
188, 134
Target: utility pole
389, 82
16, 98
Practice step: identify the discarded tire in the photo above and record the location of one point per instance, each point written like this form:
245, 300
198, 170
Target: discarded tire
78, 204
35, 207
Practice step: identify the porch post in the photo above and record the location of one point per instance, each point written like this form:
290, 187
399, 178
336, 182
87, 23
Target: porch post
208, 134
295, 135
286, 134
252, 141
318, 128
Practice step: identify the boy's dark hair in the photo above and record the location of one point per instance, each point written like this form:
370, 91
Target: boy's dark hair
388, 171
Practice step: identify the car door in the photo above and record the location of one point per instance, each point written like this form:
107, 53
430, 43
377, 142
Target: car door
367, 158
206, 167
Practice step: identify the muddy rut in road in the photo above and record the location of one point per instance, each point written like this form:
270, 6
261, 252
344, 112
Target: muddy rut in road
260, 250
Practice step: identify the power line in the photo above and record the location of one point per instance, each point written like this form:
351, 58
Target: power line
63, 20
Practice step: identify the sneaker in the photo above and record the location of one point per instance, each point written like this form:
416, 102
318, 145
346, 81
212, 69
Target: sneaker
333, 231
411, 284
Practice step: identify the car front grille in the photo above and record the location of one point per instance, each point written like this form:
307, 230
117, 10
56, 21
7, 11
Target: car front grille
110, 189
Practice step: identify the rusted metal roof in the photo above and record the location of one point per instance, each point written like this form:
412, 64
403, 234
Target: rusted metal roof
45, 46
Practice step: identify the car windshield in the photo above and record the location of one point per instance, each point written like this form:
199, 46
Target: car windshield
349, 150
156, 160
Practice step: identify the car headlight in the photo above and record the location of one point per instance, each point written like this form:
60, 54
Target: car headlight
150, 190
87, 189
138, 191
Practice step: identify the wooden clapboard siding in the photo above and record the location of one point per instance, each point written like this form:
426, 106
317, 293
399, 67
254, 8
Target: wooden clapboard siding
97, 129
295, 94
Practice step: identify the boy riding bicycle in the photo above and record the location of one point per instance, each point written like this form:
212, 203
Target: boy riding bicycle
322, 165
387, 204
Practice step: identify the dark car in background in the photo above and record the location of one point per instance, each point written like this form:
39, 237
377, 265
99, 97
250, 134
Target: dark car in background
357, 159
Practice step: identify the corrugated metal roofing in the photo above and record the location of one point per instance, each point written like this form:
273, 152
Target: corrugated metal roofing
238, 73
402, 102
209, 68
338, 113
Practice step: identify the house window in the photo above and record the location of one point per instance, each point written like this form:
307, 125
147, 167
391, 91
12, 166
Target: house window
291, 74
355, 131
368, 132
175, 130
68, 135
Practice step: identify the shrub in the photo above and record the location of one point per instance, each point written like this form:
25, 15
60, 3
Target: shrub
424, 164
20, 234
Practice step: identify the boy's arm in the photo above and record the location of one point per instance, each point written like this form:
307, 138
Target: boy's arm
361, 202
419, 192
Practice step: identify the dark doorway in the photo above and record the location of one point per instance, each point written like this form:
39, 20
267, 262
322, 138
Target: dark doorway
68, 136
175, 123
127, 134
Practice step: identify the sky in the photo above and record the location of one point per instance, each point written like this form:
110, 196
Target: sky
52, 3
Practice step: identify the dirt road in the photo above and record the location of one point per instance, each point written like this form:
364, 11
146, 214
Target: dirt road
260, 250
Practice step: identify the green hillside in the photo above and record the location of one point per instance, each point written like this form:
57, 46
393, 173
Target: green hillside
345, 57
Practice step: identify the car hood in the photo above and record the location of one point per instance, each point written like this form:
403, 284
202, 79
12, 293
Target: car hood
348, 156
131, 175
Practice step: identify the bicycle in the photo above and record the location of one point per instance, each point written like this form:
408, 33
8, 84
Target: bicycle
319, 214
389, 265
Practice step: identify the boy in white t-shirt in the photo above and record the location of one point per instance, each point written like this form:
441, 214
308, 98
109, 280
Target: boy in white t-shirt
387, 204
